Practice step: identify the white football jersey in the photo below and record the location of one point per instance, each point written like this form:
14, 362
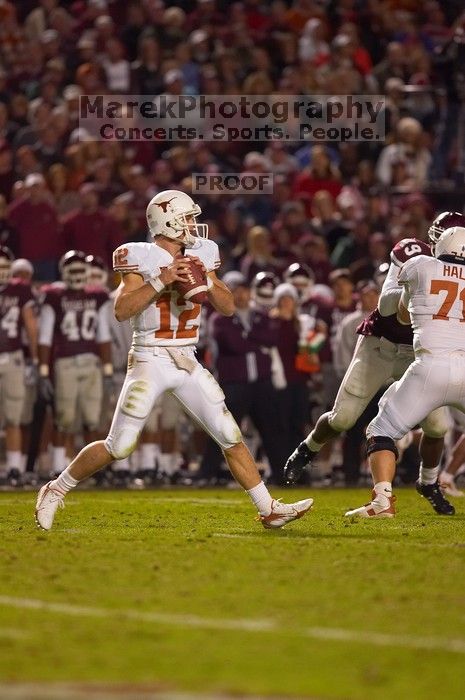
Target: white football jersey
436, 293
170, 320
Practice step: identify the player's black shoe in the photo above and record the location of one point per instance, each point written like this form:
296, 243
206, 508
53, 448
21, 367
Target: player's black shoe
15, 478
434, 495
297, 462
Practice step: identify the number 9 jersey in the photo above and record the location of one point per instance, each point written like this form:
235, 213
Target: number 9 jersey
170, 320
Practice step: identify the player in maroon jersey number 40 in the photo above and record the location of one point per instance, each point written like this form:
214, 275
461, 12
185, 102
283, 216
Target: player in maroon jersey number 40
74, 351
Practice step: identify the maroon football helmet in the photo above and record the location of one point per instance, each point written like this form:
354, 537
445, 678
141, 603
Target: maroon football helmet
445, 220
98, 273
409, 248
301, 277
74, 269
262, 288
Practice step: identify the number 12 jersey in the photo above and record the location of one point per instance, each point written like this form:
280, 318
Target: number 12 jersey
170, 320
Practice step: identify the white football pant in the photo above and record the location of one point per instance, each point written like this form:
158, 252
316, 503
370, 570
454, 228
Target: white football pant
430, 382
151, 372
376, 362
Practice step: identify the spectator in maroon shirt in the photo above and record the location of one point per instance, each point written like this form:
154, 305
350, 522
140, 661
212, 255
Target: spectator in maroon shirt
141, 193
162, 175
146, 75
320, 175
106, 185
48, 148
313, 251
205, 15
91, 228
35, 219
292, 217
259, 255
66, 200
8, 235
326, 220
7, 177
26, 162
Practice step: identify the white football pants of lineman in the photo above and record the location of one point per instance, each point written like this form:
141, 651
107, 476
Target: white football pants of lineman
151, 372
430, 382
376, 361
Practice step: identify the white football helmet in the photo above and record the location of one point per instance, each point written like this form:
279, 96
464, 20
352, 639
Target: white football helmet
451, 244
167, 214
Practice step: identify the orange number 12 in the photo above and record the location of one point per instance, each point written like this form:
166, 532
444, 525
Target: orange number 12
165, 331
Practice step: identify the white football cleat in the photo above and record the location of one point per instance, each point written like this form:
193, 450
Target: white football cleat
283, 513
374, 509
48, 501
450, 489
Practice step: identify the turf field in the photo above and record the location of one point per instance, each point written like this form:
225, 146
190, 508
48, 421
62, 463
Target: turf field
181, 590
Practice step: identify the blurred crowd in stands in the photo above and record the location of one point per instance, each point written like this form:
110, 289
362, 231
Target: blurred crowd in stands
336, 209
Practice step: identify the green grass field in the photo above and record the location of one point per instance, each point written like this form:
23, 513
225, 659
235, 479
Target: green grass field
183, 591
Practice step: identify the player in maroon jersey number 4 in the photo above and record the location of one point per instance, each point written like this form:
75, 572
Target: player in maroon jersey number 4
16, 312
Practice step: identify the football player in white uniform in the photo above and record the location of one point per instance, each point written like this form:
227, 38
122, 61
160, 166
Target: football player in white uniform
162, 357
382, 354
433, 301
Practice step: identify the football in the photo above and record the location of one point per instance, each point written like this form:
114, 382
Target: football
195, 288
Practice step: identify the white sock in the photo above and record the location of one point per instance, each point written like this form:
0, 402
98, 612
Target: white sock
64, 483
324, 466
312, 444
383, 490
447, 478
148, 455
163, 463
121, 465
175, 462
59, 459
261, 498
14, 460
428, 476
133, 461
169, 463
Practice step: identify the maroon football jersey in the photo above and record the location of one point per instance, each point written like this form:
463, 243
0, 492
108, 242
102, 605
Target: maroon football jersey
388, 326
76, 319
13, 297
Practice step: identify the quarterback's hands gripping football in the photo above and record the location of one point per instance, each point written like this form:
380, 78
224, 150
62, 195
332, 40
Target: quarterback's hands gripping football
177, 271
